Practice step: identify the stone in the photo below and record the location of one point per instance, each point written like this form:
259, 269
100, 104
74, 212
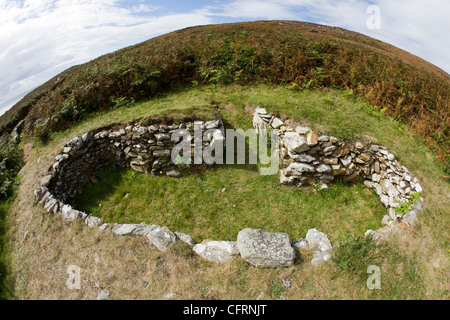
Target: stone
303, 157
311, 139
161, 238
76, 143
103, 295
45, 181
39, 194
87, 136
161, 153
329, 149
297, 168
284, 180
334, 139
276, 123
388, 188
295, 142
302, 130
92, 221
70, 214
323, 168
265, 249
216, 251
211, 124
318, 241
346, 161
362, 158
359, 145
133, 229
324, 138
259, 123
331, 160
169, 296
185, 238
410, 217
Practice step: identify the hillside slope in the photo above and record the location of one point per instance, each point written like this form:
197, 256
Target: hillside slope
278, 52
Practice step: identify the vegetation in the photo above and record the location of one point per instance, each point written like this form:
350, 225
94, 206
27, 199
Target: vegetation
295, 54
335, 81
413, 267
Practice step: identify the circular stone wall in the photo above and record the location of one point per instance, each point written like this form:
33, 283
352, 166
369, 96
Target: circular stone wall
305, 158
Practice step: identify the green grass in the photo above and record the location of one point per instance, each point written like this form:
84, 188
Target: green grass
195, 203
5, 288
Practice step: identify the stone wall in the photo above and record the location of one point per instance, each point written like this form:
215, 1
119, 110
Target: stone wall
145, 149
306, 158
309, 158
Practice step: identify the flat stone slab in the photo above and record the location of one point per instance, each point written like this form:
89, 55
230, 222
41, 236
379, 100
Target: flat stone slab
216, 251
133, 229
265, 249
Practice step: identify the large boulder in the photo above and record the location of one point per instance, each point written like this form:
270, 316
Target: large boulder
265, 249
295, 142
216, 251
161, 238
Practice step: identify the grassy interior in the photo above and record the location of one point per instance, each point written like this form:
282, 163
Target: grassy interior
195, 204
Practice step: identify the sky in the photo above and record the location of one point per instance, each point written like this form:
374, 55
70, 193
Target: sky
41, 38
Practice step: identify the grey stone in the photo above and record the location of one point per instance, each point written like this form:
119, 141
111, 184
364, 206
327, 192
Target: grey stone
133, 229
87, 136
185, 238
295, 142
92, 221
297, 168
265, 249
70, 214
76, 143
410, 217
161, 238
45, 181
318, 240
323, 138
276, 123
216, 251
103, 295
323, 168
302, 130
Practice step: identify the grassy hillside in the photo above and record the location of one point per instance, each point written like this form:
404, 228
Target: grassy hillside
414, 265
276, 52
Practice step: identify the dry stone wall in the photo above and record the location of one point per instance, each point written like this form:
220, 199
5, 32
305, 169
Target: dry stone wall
306, 158
309, 158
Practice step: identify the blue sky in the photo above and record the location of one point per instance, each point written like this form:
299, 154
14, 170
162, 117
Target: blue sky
41, 38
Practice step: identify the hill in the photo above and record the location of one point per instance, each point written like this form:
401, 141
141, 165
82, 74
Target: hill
276, 52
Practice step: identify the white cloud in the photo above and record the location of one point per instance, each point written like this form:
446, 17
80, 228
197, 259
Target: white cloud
40, 38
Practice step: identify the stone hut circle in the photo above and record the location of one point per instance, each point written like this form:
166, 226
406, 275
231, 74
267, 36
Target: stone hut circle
305, 158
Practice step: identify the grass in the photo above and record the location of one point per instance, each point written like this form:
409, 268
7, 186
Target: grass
195, 204
413, 266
